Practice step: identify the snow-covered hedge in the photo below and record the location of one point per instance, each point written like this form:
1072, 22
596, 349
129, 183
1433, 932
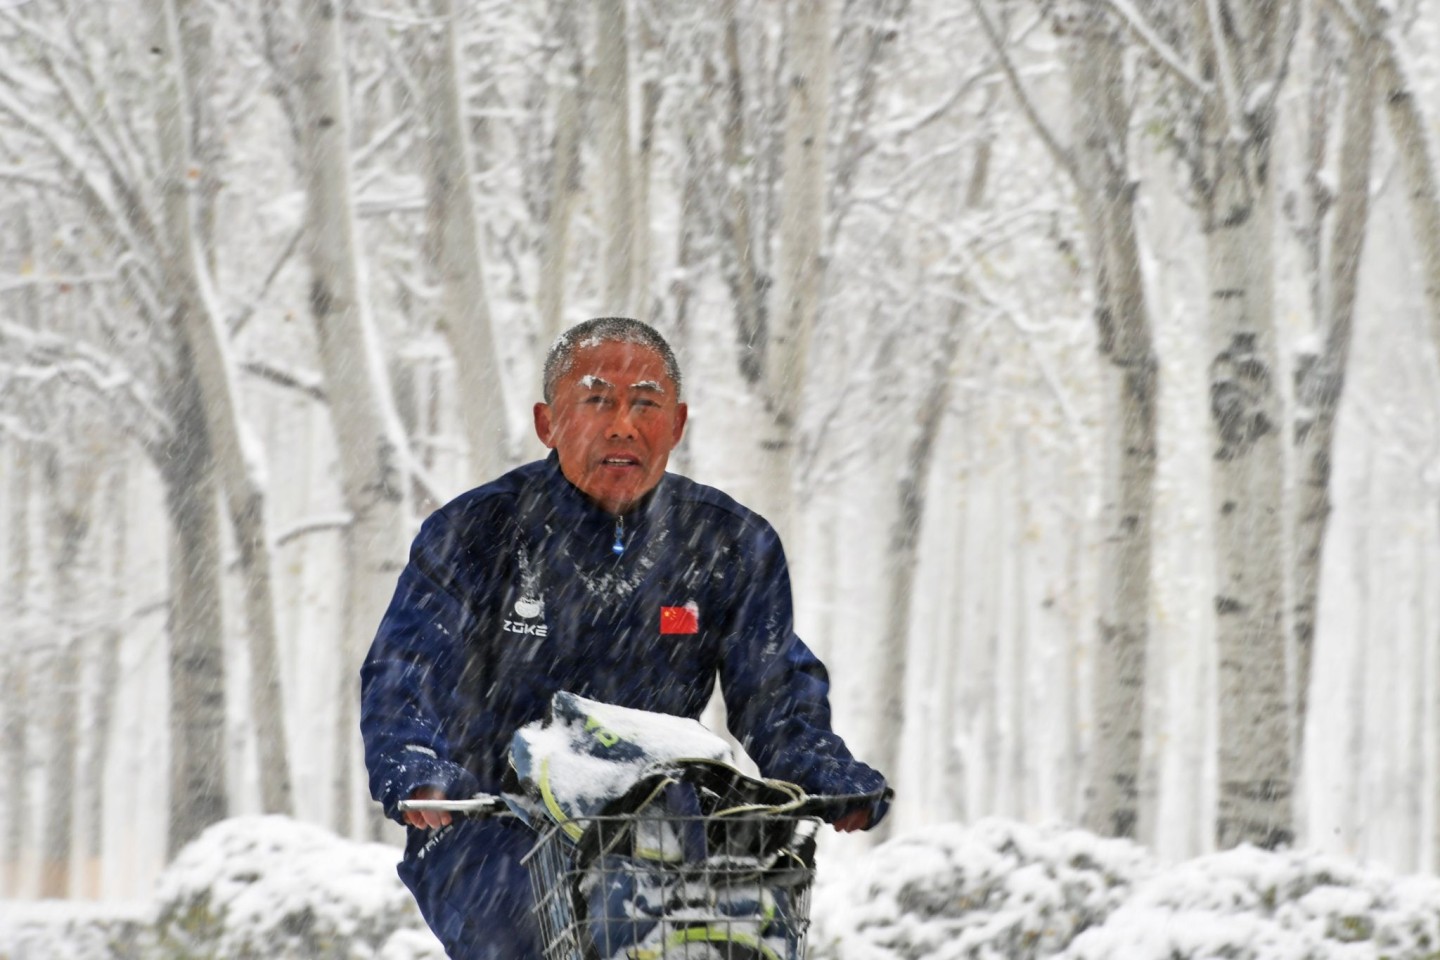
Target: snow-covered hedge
249, 888
274, 888
999, 889
1002, 889
1248, 904
61, 930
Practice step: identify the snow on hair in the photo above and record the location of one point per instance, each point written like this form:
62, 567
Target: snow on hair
590, 333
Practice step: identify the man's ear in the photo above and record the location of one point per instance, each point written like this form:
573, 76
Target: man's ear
682, 413
544, 428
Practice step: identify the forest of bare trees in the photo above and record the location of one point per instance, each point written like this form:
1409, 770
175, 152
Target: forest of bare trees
1084, 353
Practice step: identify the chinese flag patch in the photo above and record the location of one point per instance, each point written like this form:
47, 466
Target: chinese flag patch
684, 619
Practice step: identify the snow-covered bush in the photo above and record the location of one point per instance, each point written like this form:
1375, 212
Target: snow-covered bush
273, 888
999, 889
1249, 904
62, 930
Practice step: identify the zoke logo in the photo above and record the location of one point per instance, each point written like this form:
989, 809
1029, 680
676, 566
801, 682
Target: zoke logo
528, 608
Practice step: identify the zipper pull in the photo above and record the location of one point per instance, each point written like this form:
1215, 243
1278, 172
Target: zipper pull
619, 546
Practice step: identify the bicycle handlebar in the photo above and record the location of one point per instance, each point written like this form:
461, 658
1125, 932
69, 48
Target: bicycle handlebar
483, 806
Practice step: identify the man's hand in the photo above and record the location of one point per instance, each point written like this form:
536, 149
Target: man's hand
428, 819
854, 820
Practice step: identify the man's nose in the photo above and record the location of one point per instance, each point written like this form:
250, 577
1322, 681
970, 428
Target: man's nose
622, 424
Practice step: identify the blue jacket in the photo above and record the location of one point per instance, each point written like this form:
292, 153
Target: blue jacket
523, 587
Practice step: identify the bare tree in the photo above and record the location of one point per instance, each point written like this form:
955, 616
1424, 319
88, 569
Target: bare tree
1320, 377
903, 551
1098, 161
1243, 51
454, 227
564, 191
800, 267
374, 457
615, 158
15, 732
1129, 376
237, 454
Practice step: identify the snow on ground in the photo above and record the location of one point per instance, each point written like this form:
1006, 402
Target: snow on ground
270, 887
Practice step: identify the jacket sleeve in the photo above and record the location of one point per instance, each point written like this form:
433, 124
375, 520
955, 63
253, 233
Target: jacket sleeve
777, 691
406, 679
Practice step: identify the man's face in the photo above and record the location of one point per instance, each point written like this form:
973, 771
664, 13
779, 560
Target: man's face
614, 419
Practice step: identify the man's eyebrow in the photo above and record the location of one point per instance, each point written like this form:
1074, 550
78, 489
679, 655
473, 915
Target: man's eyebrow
651, 385
592, 382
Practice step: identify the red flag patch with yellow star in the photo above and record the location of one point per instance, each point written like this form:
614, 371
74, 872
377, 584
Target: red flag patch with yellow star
684, 619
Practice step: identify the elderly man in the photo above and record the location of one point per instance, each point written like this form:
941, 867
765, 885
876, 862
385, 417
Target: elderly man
592, 571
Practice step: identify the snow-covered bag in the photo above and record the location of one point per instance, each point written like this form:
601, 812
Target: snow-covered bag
670, 850
585, 754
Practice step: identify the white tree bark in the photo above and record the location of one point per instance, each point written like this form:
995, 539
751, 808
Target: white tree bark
564, 176
372, 447
1320, 380
460, 258
198, 796
1129, 382
15, 731
902, 556
237, 454
751, 324
615, 158
651, 68
801, 266
70, 489
1410, 132
1237, 207
102, 666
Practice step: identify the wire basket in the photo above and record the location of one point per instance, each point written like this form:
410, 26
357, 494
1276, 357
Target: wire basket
643, 887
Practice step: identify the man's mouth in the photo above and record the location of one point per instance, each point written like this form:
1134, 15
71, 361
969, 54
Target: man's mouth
620, 462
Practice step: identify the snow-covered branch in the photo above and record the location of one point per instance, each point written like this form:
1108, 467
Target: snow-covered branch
39, 359
1167, 54
1058, 151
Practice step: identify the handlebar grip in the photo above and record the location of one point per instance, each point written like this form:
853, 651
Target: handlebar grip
481, 806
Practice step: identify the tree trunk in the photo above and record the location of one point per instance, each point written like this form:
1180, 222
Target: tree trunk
14, 695
1320, 380
237, 454
746, 283
69, 496
802, 230
198, 795
902, 556
1128, 372
564, 175
373, 454
455, 228
102, 662
1410, 132
615, 162
1255, 763
651, 92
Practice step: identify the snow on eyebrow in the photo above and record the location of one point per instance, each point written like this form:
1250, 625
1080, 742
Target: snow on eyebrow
590, 382
648, 385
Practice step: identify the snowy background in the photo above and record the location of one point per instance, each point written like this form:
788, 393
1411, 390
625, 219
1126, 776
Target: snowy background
258, 263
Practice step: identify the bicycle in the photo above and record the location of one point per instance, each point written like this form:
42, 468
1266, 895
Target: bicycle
647, 885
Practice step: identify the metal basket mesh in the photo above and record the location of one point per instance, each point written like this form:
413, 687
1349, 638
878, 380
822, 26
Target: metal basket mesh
664, 888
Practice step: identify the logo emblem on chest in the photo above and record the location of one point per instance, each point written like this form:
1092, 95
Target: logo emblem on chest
529, 610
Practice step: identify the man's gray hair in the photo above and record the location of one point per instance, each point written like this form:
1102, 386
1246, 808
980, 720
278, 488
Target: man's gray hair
590, 333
